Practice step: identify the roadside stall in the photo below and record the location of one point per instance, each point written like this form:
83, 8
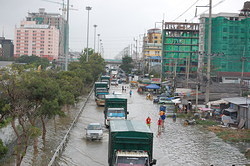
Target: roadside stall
153, 88
205, 112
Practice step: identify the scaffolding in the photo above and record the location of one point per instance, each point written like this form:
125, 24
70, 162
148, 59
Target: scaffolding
230, 38
180, 48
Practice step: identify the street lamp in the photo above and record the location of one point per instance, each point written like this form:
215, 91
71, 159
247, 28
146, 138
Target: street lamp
94, 35
88, 8
98, 41
67, 38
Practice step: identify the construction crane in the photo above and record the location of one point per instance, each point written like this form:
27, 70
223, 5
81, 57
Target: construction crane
63, 4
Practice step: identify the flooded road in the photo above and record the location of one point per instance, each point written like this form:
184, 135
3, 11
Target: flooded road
177, 145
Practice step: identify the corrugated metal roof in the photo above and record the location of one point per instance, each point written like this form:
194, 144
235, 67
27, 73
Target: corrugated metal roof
238, 100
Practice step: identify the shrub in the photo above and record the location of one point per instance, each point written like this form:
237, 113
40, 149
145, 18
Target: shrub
3, 149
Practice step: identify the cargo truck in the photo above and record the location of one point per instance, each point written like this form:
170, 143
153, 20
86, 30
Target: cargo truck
115, 108
101, 87
130, 143
106, 78
100, 98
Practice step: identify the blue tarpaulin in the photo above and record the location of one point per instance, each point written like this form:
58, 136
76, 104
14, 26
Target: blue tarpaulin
152, 86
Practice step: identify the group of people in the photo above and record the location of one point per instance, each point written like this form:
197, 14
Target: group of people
124, 90
161, 120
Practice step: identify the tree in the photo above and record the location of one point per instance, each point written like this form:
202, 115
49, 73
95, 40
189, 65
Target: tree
17, 107
127, 65
33, 60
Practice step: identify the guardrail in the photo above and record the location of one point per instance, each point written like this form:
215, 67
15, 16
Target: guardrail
63, 143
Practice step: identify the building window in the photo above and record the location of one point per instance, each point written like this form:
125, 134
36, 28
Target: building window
224, 29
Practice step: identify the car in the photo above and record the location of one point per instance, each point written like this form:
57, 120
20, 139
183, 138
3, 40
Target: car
94, 131
165, 100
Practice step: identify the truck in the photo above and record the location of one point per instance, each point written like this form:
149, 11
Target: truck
105, 78
115, 108
101, 87
100, 98
130, 143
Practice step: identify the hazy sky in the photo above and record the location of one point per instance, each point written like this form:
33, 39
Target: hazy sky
118, 22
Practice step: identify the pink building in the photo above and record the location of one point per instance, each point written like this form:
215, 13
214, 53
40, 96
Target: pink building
36, 39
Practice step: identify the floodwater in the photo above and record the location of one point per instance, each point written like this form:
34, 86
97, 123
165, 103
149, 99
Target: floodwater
176, 145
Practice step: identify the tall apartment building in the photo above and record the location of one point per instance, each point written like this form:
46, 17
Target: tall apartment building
6, 48
33, 39
180, 48
152, 48
53, 19
230, 48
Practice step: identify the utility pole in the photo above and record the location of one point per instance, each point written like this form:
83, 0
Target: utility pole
209, 52
188, 67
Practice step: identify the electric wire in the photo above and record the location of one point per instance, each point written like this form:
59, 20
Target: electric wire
207, 10
186, 10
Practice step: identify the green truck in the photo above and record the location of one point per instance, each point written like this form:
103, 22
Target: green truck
115, 107
130, 143
101, 89
105, 78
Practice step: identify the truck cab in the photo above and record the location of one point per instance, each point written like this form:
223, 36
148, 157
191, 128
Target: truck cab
135, 158
130, 143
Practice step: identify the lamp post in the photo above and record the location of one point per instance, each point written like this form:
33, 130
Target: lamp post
88, 8
94, 35
98, 41
67, 38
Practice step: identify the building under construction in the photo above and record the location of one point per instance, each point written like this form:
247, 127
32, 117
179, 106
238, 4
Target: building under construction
230, 50
180, 48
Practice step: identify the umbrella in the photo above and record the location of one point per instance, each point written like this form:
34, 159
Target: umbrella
152, 86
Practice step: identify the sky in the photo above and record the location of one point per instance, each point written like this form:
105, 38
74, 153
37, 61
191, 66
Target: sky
119, 22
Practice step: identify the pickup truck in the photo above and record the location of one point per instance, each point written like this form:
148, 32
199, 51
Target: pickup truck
130, 143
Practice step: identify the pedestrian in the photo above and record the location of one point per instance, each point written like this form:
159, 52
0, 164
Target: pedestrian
174, 117
163, 117
148, 121
125, 89
159, 123
122, 88
130, 93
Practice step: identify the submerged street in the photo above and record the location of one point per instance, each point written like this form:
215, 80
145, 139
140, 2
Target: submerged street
177, 145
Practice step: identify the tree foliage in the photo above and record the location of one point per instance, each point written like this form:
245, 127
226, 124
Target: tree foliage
29, 97
127, 65
33, 61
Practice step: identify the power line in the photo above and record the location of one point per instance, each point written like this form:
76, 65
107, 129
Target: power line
207, 10
187, 10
